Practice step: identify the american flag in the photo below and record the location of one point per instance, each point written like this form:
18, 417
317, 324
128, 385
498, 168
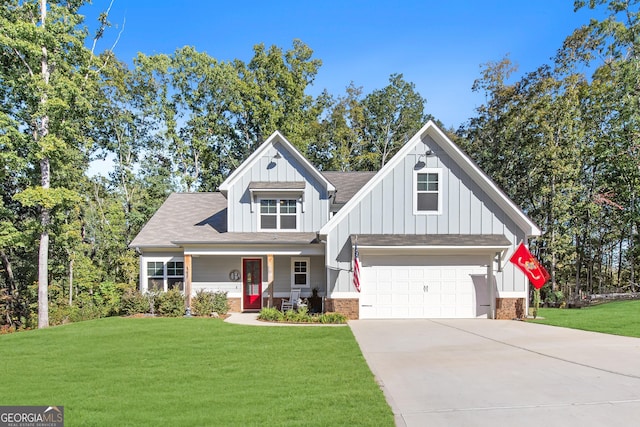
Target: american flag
356, 268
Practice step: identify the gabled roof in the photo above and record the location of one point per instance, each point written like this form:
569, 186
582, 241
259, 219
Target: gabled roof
347, 183
201, 218
184, 216
461, 159
264, 148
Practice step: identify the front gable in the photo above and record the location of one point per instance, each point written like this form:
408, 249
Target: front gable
277, 189
430, 187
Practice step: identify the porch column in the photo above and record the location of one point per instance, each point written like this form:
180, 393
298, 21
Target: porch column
270, 279
187, 279
492, 290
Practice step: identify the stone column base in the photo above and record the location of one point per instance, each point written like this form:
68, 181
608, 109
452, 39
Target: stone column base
350, 307
510, 308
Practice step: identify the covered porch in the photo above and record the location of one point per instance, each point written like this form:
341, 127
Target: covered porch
259, 274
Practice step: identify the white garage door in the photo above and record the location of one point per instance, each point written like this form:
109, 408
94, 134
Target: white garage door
427, 291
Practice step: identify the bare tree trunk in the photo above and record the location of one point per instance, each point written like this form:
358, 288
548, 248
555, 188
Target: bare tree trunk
45, 177
632, 243
8, 272
70, 280
579, 259
551, 225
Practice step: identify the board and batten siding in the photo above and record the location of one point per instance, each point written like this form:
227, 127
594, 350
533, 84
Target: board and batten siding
388, 209
284, 169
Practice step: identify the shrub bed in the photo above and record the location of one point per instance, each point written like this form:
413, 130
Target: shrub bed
301, 315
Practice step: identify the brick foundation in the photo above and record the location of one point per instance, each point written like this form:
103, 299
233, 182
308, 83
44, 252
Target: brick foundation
348, 306
510, 308
234, 304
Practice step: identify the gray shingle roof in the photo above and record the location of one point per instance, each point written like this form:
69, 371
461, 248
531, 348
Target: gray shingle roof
185, 216
278, 185
192, 218
347, 183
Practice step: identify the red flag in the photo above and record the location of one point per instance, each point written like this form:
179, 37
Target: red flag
530, 266
356, 268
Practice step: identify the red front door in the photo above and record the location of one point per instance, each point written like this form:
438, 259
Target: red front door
252, 283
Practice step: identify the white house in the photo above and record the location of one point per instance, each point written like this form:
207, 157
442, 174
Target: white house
433, 233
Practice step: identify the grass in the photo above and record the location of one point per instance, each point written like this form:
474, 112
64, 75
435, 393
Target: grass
190, 371
617, 318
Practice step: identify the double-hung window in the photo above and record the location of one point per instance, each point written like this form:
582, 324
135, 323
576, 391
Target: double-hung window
175, 275
299, 272
427, 191
155, 276
278, 214
162, 276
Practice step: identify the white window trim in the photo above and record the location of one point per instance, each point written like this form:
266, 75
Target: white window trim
164, 260
278, 214
437, 171
293, 273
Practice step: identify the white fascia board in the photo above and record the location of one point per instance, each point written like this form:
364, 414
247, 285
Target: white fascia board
432, 250
265, 146
433, 247
255, 251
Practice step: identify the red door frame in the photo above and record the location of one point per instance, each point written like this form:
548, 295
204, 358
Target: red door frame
250, 299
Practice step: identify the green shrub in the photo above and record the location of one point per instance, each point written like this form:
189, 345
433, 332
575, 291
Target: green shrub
108, 298
220, 303
202, 304
206, 302
134, 302
59, 314
88, 311
170, 303
332, 318
301, 315
271, 315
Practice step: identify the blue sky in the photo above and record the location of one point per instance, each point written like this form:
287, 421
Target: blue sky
438, 45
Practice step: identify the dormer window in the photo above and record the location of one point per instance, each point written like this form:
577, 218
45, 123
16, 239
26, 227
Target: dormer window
278, 214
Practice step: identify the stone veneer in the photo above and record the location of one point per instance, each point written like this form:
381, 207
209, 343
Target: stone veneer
350, 307
510, 308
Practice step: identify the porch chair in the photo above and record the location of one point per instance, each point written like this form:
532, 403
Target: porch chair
289, 304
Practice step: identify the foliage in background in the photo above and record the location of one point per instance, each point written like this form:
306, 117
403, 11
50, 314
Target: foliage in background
566, 147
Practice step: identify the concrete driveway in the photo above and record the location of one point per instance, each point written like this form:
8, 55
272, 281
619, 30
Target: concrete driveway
501, 373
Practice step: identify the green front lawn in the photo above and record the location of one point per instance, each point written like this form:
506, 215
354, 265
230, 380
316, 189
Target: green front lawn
190, 371
618, 318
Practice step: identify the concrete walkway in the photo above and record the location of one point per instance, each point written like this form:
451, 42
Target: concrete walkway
501, 373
